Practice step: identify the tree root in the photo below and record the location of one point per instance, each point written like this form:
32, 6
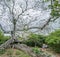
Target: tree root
25, 48
19, 46
6, 44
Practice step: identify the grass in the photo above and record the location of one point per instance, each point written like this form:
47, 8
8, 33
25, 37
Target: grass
13, 53
9, 52
2, 51
18, 53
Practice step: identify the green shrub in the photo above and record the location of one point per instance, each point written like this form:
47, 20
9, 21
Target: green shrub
36, 50
3, 38
53, 40
35, 40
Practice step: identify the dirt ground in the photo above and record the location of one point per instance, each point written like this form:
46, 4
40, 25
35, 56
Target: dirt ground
51, 52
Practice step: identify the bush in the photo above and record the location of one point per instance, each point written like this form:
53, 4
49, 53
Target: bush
53, 40
35, 40
3, 38
36, 50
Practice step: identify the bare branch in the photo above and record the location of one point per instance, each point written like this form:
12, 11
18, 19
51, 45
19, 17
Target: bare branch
35, 27
23, 10
13, 7
7, 6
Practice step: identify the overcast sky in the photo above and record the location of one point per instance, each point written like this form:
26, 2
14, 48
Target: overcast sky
41, 14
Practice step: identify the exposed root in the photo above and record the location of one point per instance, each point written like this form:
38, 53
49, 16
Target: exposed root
25, 48
6, 44
11, 43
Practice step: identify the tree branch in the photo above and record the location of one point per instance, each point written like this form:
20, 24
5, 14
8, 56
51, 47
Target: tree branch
22, 9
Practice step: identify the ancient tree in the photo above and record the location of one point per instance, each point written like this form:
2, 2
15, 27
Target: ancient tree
15, 10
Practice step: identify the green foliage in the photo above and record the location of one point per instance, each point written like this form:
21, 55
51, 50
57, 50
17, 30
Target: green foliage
36, 50
53, 40
3, 38
55, 6
35, 40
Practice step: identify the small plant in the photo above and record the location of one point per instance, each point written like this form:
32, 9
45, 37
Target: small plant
53, 41
37, 50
